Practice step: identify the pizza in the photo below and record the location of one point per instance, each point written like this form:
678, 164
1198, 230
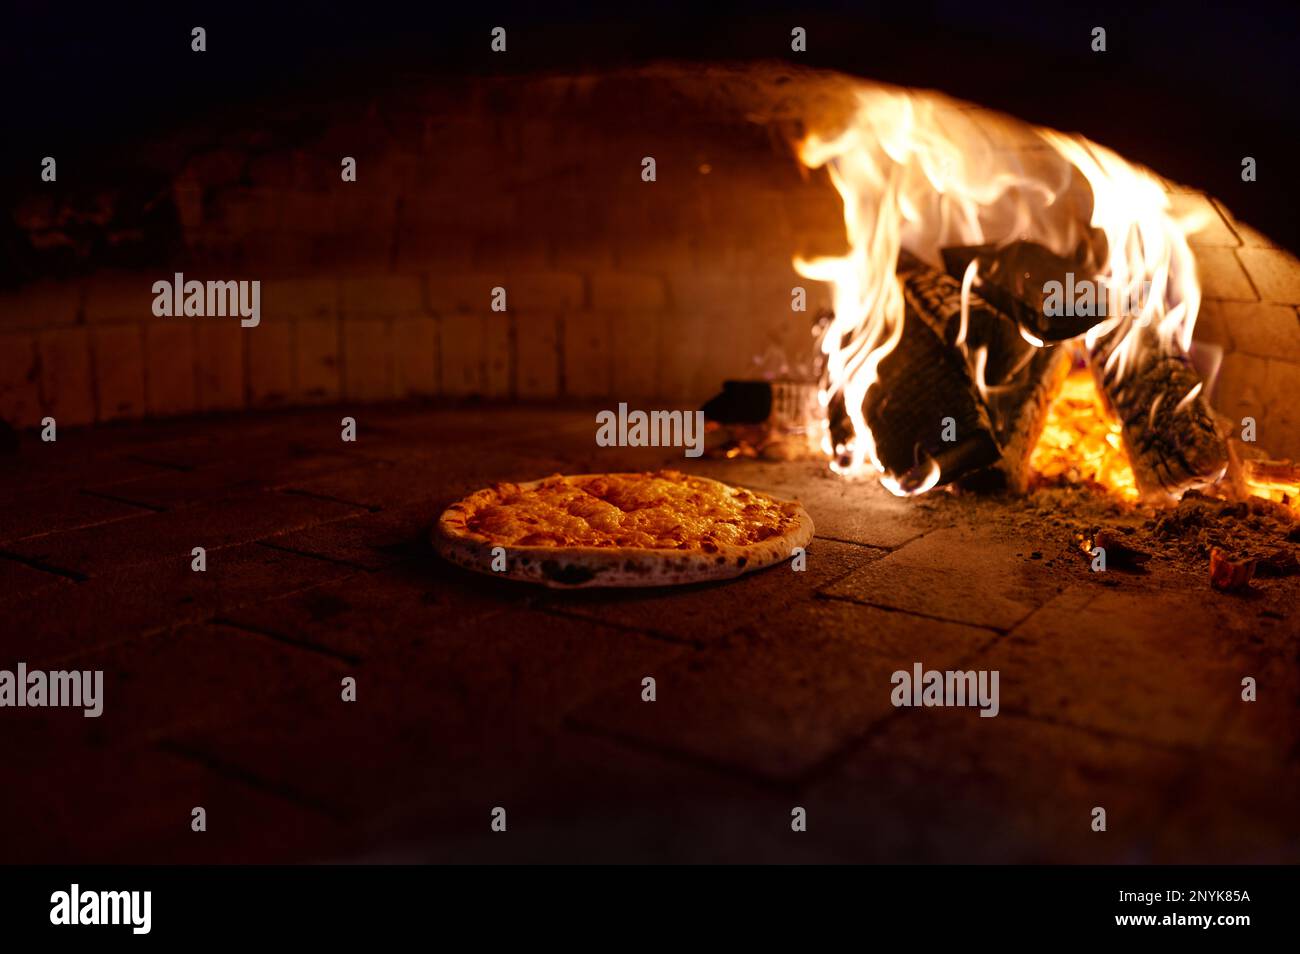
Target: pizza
644, 529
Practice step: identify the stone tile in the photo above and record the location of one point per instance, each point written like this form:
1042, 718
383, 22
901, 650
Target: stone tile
1232, 810
538, 347
462, 352
170, 366
65, 376
1149, 665
440, 718
357, 761
138, 810
417, 603
541, 291
521, 666
231, 440
164, 683
369, 541
785, 692
1276, 274
499, 365
318, 367
590, 800
414, 432
367, 360
587, 359
619, 291
284, 466
1283, 423
945, 786
1265, 732
33, 515
119, 371
462, 292
966, 574
1214, 230
634, 336
40, 305
862, 511
379, 484
144, 599
20, 373
270, 362
1251, 238
415, 341
1259, 329
1222, 275
41, 468
702, 613
19, 582
221, 364
381, 296
164, 537
362, 544
1241, 387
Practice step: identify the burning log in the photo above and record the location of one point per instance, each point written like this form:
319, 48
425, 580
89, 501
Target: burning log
995, 370
1015, 278
921, 383
1284, 473
1015, 379
1278, 480
1168, 429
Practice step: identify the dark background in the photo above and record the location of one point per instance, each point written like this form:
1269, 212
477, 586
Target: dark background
1188, 90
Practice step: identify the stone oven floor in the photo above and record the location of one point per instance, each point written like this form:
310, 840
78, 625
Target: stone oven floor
223, 688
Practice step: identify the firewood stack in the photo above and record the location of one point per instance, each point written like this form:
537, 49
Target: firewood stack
996, 377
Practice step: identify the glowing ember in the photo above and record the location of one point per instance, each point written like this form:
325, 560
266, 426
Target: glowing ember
1276, 480
1081, 441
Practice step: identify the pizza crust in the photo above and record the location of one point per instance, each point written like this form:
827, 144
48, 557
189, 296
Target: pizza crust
566, 566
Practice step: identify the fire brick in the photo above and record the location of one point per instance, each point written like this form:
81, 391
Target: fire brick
66, 377
119, 370
171, 376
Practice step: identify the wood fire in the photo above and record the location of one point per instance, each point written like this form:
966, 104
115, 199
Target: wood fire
948, 357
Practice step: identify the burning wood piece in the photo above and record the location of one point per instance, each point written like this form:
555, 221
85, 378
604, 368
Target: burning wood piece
1285, 473
1276, 480
1168, 429
1015, 379
1229, 574
921, 383
1014, 278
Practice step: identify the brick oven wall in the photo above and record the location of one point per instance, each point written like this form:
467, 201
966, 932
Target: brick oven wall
616, 287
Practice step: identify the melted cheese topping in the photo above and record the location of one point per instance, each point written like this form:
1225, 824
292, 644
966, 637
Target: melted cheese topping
667, 510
